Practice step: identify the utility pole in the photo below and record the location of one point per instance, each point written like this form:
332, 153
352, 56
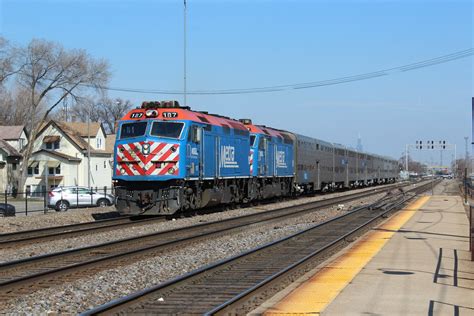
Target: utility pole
406, 158
184, 92
89, 149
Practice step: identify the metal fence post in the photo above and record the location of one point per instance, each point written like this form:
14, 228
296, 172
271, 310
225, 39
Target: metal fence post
77, 197
6, 200
465, 185
471, 233
26, 204
45, 197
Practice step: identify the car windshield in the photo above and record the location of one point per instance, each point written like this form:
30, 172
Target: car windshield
134, 129
167, 129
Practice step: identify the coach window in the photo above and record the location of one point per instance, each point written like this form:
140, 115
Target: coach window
167, 129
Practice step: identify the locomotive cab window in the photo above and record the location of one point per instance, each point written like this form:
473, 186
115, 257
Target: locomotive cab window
167, 129
252, 140
135, 129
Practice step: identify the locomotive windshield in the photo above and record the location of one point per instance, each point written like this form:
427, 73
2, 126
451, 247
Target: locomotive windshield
166, 129
134, 129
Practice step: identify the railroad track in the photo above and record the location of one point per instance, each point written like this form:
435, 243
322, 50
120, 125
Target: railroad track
26, 237
30, 274
237, 285
51, 233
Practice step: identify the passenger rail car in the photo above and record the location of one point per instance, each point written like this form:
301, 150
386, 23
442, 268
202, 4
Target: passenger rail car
169, 158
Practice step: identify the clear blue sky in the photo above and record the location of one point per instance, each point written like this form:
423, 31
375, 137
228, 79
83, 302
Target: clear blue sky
241, 44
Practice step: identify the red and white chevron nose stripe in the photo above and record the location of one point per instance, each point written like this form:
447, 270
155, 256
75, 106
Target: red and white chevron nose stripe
147, 159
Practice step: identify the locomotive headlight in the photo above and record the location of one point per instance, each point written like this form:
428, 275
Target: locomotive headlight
122, 171
171, 170
151, 113
146, 148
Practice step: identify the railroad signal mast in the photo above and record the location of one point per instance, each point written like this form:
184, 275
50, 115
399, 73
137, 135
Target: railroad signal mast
429, 145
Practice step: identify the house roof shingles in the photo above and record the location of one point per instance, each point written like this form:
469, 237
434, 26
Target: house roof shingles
81, 128
11, 132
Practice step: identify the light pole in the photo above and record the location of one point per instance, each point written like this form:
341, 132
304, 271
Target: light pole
406, 158
89, 148
184, 61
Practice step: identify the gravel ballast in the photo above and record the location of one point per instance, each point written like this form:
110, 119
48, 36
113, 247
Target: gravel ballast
47, 247
104, 286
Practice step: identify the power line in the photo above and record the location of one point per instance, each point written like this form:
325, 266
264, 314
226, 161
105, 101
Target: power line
315, 84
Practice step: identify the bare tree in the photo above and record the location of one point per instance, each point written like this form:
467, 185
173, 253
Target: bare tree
7, 60
13, 106
105, 110
113, 111
413, 166
50, 73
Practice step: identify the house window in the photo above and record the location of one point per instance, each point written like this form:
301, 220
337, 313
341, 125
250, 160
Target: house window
99, 142
96, 167
105, 165
33, 170
49, 145
14, 166
54, 170
56, 144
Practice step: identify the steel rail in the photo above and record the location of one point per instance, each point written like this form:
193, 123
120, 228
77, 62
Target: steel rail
118, 304
14, 275
9, 240
50, 233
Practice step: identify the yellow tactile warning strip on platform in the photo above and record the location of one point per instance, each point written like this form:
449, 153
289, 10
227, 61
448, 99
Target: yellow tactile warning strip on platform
315, 294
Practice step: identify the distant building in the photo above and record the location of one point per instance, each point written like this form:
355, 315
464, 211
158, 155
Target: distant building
60, 156
9, 166
12, 141
15, 136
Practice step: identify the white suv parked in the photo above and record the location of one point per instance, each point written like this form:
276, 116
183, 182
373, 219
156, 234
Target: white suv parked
63, 198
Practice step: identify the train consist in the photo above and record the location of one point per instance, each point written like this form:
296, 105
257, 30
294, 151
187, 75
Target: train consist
169, 158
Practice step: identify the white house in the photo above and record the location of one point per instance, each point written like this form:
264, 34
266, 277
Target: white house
12, 141
62, 157
9, 166
14, 135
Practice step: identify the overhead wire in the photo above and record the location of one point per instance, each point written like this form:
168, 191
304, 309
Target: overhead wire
308, 85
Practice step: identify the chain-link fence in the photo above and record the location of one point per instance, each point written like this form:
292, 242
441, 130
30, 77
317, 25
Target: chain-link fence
58, 199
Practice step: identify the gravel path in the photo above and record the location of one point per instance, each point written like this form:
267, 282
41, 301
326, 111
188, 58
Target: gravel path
104, 286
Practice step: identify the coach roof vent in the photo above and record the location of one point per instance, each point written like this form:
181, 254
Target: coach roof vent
246, 121
163, 104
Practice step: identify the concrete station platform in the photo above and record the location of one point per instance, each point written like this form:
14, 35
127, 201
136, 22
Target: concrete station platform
416, 263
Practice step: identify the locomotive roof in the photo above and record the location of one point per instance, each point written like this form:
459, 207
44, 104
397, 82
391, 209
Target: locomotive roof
262, 129
185, 114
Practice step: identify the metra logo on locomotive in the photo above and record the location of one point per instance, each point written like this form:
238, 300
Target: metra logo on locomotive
280, 159
228, 157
